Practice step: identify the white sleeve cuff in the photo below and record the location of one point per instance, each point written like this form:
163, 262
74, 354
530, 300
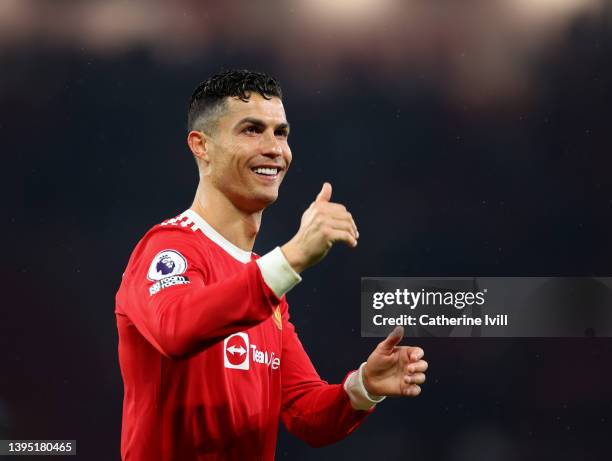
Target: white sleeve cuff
277, 272
361, 399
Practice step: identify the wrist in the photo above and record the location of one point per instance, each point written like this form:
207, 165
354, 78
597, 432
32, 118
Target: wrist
364, 378
294, 257
277, 272
360, 398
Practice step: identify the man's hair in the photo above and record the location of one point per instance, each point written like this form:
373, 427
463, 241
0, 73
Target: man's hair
208, 99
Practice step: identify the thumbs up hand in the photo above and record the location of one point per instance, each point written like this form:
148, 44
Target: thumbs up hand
325, 194
323, 224
395, 370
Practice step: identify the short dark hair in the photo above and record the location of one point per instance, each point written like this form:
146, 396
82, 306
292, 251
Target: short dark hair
209, 96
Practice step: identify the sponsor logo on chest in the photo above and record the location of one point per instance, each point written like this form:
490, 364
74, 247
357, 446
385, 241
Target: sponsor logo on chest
238, 352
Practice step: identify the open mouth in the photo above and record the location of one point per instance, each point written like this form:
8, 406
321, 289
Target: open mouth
270, 172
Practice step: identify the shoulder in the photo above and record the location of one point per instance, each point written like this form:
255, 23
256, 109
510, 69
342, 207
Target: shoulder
174, 240
174, 231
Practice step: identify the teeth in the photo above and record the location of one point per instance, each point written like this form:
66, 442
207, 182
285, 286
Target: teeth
266, 171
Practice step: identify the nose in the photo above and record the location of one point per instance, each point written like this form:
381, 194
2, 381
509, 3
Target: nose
271, 147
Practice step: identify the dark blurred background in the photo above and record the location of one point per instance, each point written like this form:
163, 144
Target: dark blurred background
467, 138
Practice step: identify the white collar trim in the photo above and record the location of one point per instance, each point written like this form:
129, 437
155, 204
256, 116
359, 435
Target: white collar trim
199, 223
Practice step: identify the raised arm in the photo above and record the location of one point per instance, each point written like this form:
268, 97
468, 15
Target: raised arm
185, 312
313, 410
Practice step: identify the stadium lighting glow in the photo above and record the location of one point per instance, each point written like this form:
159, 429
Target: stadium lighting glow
551, 9
346, 12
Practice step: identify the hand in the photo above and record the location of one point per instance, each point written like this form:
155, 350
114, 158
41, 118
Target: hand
323, 224
394, 370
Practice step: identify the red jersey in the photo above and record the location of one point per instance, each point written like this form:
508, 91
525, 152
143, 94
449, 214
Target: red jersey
209, 359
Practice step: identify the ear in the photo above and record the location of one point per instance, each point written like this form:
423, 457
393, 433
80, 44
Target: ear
198, 144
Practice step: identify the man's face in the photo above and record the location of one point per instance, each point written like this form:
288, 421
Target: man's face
248, 153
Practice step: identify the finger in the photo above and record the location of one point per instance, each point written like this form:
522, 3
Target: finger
392, 340
337, 235
325, 194
346, 225
340, 214
416, 354
417, 367
417, 378
333, 208
348, 217
336, 211
412, 391
354, 225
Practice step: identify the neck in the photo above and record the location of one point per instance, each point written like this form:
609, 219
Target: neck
235, 225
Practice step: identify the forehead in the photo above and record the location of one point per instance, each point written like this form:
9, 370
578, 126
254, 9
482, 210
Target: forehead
270, 111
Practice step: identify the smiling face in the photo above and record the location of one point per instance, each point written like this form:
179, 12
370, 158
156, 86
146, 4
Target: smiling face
246, 155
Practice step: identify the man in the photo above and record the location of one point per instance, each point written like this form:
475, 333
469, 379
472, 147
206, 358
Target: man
209, 358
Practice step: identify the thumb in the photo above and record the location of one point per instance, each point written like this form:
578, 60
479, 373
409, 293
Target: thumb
325, 194
392, 340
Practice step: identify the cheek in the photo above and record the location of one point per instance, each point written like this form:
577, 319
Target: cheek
288, 156
237, 155
229, 160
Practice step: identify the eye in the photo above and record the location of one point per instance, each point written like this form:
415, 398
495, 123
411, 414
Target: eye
283, 133
251, 129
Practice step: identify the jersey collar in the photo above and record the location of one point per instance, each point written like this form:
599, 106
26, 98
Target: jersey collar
237, 253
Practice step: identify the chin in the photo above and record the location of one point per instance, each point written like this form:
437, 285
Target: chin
258, 201
265, 200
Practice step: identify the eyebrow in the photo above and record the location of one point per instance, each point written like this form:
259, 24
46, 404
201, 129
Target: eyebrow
261, 123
